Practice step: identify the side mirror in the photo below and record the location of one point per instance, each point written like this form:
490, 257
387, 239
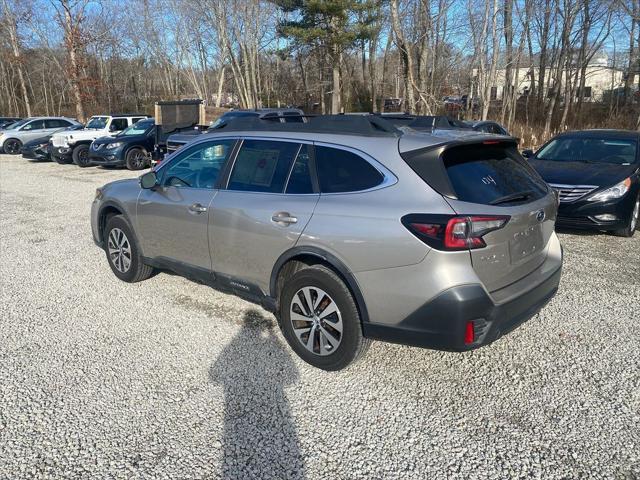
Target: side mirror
148, 180
527, 153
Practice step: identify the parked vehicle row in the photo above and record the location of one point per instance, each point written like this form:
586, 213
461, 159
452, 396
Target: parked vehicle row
74, 146
422, 230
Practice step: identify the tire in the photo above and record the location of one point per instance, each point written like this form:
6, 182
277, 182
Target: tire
80, 156
329, 349
12, 146
123, 253
632, 224
136, 159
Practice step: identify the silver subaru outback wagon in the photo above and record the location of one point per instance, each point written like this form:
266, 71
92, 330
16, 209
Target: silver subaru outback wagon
348, 230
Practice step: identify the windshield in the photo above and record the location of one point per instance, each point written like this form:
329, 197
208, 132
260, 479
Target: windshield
590, 150
13, 126
139, 128
97, 122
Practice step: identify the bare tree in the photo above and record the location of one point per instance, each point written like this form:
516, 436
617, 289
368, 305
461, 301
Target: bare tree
10, 23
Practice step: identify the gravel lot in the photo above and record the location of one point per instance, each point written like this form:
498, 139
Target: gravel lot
170, 379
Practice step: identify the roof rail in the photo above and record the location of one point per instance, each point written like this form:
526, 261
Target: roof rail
363, 125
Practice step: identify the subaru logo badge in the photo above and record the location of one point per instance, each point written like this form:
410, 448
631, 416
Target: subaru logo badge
540, 215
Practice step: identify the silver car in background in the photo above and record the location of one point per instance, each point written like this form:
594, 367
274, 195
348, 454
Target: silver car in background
348, 230
17, 134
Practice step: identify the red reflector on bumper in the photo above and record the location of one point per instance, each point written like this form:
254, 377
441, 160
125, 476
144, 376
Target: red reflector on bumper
469, 333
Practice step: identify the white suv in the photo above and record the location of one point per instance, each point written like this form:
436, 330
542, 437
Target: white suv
74, 146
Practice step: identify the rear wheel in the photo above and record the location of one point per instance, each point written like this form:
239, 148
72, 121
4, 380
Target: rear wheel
320, 319
12, 146
81, 155
137, 159
634, 220
122, 252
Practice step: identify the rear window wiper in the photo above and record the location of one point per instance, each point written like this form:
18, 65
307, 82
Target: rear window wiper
513, 197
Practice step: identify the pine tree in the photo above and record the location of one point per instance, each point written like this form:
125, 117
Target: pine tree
332, 26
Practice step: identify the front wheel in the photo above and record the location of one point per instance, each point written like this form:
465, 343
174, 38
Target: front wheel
320, 319
634, 219
80, 155
12, 146
122, 252
137, 159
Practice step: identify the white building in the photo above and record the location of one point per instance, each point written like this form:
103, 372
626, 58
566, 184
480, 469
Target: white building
600, 77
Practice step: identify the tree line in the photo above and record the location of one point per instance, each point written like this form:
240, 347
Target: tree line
83, 57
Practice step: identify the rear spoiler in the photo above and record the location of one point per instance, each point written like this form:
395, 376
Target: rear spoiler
427, 164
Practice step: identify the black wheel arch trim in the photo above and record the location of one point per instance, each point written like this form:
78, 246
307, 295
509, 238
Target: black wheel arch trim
326, 257
122, 211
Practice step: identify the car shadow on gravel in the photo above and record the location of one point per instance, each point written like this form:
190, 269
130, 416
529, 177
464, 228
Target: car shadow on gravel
260, 439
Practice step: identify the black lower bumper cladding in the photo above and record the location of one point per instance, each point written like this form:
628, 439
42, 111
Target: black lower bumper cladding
440, 324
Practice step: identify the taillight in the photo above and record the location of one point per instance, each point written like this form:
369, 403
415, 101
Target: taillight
453, 232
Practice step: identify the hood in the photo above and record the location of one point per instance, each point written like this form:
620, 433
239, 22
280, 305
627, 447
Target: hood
117, 183
581, 173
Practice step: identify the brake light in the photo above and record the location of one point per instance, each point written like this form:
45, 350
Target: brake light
453, 232
456, 234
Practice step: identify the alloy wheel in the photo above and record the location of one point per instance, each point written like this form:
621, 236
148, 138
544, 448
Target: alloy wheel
139, 160
12, 147
83, 157
119, 250
316, 320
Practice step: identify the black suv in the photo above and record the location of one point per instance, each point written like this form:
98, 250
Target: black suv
282, 115
130, 148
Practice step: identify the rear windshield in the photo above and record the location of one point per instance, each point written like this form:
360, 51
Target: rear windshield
491, 175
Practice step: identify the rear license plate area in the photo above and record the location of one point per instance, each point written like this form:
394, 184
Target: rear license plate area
526, 243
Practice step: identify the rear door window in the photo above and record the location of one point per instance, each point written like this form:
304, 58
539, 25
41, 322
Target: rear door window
263, 166
343, 171
57, 123
490, 175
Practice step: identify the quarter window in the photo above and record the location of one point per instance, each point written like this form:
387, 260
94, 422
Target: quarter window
198, 166
343, 171
300, 177
263, 166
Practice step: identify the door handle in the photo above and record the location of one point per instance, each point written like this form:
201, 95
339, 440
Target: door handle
284, 217
197, 208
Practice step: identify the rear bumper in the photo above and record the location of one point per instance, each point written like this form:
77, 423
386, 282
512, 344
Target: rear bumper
440, 323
